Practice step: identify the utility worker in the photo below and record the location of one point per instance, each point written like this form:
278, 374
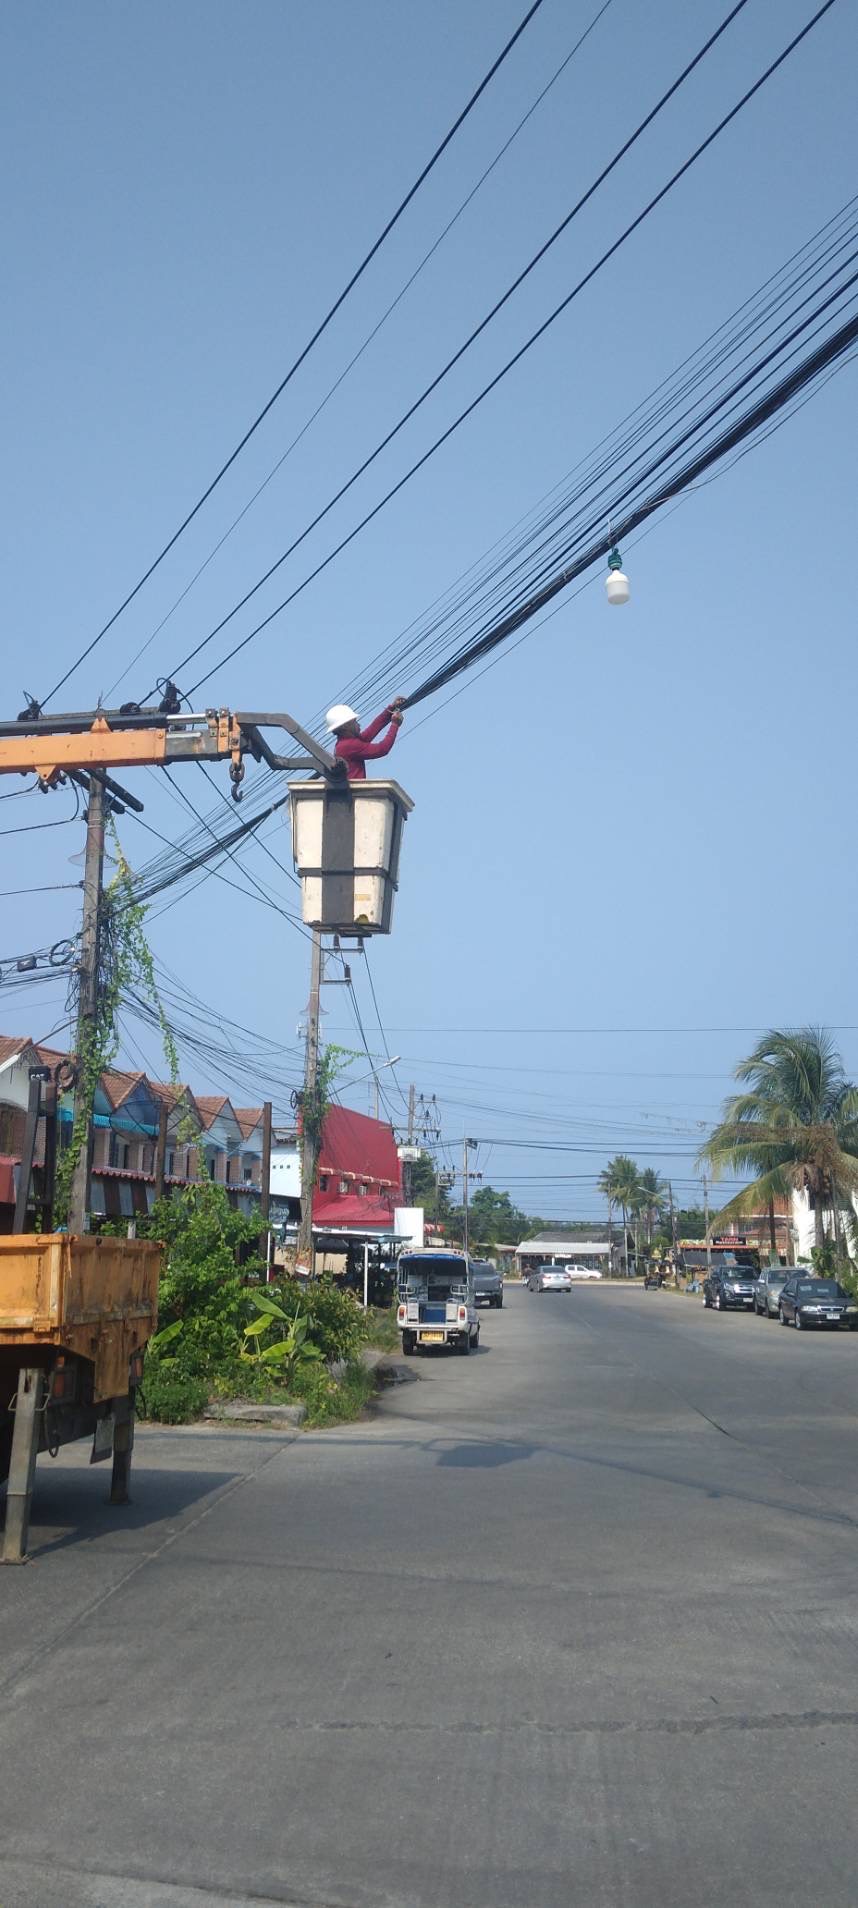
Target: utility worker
356, 746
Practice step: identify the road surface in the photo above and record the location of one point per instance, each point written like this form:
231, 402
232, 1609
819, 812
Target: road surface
570, 1624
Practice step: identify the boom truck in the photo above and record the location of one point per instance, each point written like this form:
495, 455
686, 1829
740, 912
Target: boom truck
76, 1310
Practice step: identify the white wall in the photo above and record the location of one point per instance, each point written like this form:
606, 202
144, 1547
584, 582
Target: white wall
285, 1177
804, 1236
15, 1080
408, 1223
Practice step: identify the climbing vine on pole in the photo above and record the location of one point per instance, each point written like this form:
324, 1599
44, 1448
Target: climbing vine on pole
125, 960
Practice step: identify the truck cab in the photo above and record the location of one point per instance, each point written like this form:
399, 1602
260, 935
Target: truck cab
437, 1300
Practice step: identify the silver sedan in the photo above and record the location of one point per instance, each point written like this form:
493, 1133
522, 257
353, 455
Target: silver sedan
768, 1288
550, 1278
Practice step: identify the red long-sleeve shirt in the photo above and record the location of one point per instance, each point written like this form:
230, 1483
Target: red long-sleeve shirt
357, 750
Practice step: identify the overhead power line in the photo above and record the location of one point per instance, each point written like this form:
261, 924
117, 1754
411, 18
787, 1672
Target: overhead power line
364, 345
506, 368
509, 572
308, 347
842, 340
389, 436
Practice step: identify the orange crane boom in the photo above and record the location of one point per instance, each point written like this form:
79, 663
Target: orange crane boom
52, 746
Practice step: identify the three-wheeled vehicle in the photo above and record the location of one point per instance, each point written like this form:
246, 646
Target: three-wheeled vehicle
437, 1300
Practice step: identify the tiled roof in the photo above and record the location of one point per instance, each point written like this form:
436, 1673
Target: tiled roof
248, 1118
117, 1086
211, 1105
11, 1044
351, 1211
51, 1056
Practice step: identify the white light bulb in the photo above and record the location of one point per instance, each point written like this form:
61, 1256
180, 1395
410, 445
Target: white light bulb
617, 587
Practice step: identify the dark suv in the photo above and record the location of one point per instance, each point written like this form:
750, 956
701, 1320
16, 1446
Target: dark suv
730, 1287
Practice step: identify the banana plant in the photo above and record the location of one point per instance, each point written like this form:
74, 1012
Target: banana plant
164, 1338
288, 1352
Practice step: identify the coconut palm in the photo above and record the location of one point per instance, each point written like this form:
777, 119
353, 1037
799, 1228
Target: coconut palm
620, 1184
794, 1127
653, 1201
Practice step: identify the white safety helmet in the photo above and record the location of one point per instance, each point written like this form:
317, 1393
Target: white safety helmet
339, 715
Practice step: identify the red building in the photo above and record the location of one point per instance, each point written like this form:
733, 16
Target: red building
359, 1180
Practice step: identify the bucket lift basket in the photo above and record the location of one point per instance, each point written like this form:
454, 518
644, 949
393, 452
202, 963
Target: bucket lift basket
345, 843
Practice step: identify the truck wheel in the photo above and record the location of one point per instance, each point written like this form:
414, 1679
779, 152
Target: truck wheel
408, 1342
500, 1301
465, 1344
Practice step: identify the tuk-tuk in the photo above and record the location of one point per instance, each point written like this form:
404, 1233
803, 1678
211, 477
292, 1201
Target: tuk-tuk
437, 1300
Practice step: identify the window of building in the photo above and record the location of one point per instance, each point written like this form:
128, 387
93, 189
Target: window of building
170, 1162
120, 1151
148, 1165
247, 1168
323, 1182
363, 1189
343, 1185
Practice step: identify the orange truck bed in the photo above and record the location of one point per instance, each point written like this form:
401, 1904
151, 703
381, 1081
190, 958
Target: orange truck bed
96, 1297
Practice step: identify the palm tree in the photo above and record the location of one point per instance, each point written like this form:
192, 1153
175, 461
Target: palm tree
795, 1127
653, 1202
606, 1188
620, 1184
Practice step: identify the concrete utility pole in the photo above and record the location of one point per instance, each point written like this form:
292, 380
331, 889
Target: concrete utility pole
265, 1187
408, 1170
467, 1176
672, 1217
706, 1223
311, 1076
87, 1016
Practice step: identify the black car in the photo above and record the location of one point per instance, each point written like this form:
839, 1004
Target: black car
805, 1302
730, 1287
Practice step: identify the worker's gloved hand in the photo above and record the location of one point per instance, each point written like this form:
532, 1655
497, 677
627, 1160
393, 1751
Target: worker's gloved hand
396, 716
396, 704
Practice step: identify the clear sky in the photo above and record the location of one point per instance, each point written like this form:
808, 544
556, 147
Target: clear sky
641, 819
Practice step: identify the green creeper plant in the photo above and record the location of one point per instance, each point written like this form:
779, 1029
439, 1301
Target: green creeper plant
125, 961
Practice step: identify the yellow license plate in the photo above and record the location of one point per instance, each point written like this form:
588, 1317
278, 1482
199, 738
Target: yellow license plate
431, 1338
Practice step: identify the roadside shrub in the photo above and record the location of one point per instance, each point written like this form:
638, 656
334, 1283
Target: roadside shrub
337, 1323
170, 1396
331, 1400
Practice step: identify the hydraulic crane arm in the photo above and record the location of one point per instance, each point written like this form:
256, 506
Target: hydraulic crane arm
50, 746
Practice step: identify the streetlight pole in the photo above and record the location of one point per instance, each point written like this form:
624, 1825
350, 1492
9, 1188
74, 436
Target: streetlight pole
706, 1223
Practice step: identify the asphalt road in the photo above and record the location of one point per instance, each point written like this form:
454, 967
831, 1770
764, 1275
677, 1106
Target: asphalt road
570, 1624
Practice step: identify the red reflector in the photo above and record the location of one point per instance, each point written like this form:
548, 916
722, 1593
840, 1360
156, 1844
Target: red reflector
462, 1312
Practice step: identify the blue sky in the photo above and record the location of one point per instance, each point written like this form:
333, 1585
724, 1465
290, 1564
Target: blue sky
638, 819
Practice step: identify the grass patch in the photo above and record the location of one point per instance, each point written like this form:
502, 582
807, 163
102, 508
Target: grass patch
381, 1328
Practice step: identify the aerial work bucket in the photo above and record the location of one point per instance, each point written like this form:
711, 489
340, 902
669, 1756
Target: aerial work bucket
345, 844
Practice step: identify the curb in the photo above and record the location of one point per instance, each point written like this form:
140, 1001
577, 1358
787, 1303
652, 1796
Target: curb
255, 1414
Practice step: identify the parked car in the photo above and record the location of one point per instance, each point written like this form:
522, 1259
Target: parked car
729, 1288
488, 1283
550, 1278
804, 1302
583, 1271
768, 1289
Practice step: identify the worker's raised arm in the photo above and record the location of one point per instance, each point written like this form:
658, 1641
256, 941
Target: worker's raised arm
369, 750
374, 728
